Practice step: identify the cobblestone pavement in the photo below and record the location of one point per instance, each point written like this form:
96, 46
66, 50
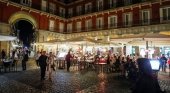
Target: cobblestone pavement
66, 82
164, 81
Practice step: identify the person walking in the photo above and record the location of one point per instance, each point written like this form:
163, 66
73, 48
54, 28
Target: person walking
43, 63
38, 54
51, 65
3, 54
24, 60
68, 60
163, 61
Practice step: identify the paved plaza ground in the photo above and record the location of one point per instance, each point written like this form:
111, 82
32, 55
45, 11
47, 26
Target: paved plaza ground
84, 81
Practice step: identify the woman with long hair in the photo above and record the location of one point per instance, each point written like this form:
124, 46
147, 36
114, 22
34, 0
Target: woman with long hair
51, 65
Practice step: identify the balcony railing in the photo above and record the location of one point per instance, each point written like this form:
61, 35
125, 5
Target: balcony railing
135, 23
106, 6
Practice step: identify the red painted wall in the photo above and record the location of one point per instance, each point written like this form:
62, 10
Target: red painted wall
8, 11
93, 22
43, 19
155, 12
105, 20
136, 16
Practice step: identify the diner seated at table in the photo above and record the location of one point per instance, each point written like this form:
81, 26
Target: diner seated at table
7, 63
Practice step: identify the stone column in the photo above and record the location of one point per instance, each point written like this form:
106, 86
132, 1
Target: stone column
147, 49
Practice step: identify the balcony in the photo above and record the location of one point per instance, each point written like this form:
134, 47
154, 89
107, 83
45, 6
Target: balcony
135, 23
86, 11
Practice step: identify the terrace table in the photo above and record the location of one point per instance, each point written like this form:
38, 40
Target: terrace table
101, 66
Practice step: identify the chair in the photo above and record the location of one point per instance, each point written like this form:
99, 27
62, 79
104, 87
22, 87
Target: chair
7, 64
1, 66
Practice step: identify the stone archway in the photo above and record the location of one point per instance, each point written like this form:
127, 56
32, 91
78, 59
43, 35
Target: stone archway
23, 15
23, 25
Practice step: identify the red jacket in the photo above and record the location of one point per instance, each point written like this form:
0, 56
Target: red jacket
168, 61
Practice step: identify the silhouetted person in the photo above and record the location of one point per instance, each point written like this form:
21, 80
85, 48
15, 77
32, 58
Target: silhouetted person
24, 60
13, 54
132, 70
43, 63
146, 82
68, 60
3, 54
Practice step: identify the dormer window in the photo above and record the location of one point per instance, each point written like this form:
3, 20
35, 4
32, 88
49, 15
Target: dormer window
26, 2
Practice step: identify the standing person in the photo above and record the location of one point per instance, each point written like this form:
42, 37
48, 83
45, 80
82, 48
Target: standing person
163, 61
24, 60
13, 53
68, 60
3, 54
43, 63
38, 54
51, 65
146, 82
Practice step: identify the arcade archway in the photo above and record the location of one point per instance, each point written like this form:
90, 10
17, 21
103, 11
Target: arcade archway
23, 26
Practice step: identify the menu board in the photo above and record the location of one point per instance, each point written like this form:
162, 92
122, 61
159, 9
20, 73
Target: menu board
155, 64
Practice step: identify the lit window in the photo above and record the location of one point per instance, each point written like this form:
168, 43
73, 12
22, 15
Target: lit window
61, 27
165, 14
69, 27
99, 23
145, 17
51, 25
112, 21
88, 24
78, 25
128, 19
44, 5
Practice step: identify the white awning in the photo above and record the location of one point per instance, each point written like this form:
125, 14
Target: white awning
7, 38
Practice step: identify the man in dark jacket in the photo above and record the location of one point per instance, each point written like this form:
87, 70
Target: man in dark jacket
43, 63
24, 60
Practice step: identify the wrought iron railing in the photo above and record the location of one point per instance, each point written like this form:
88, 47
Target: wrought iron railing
94, 8
106, 26
134, 23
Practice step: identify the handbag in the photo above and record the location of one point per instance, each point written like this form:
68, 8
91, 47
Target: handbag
53, 67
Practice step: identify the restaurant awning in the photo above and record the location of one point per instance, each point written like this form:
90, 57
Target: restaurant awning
140, 39
7, 38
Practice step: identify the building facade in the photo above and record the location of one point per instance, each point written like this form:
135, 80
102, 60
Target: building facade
57, 19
